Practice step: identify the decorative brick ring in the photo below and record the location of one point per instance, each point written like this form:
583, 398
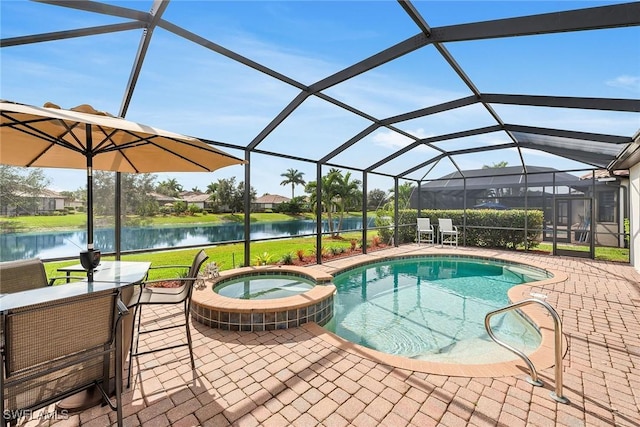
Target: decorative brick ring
217, 311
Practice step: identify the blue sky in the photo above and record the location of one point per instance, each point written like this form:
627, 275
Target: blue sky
186, 88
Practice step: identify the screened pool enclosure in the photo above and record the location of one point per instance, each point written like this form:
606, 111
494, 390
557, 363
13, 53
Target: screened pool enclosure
504, 106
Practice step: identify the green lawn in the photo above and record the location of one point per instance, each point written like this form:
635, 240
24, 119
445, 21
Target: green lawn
603, 253
231, 256
79, 220
226, 256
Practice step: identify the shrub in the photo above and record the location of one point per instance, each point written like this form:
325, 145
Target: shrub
627, 231
180, 207
336, 250
484, 227
300, 254
263, 259
292, 207
323, 251
385, 220
287, 259
194, 209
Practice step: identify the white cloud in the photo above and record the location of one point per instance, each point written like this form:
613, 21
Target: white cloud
394, 140
631, 83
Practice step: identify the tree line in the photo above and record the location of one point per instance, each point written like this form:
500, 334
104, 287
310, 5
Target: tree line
340, 193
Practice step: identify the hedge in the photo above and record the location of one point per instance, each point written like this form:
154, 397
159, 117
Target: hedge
504, 228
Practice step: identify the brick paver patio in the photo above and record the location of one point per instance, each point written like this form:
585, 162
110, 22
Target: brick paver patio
294, 377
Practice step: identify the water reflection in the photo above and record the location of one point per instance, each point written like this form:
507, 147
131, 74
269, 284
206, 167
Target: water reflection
61, 244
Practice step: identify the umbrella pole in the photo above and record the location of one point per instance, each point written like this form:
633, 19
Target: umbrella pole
89, 258
89, 201
89, 204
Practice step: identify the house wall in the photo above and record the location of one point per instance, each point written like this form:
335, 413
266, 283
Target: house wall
50, 204
607, 234
634, 215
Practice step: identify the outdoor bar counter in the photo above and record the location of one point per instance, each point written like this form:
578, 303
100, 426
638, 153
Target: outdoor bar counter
108, 275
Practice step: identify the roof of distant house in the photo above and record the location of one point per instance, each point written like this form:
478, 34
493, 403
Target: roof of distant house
510, 176
604, 173
192, 197
43, 193
164, 197
272, 198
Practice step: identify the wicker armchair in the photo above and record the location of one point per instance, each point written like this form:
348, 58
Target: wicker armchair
150, 295
53, 350
22, 275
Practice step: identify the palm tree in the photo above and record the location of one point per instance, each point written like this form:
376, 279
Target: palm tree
347, 191
404, 196
338, 192
169, 187
501, 164
327, 197
212, 191
293, 177
212, 188
497, 192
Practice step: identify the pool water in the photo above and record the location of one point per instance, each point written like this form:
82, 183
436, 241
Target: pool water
269, 286
433, 308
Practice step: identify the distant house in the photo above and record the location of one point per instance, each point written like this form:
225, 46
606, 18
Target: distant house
198, 199
73, 203
565, 199
46, 202
610, 197
268, 202
163, 199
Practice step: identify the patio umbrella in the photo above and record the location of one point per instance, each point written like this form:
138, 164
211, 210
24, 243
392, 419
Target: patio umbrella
82, 138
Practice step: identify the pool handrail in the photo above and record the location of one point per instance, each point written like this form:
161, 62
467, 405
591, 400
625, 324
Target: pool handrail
533, 379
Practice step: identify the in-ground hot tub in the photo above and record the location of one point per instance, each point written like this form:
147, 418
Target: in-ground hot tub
264, 298
266, 285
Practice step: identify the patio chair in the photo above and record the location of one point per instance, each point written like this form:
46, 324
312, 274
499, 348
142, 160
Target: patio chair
150, 295
55, 349
425, 228
23, 275
447, 229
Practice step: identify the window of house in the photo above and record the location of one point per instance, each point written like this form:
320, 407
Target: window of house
562, 212
607, 206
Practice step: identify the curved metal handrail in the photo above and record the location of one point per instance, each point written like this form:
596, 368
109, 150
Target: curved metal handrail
533, 379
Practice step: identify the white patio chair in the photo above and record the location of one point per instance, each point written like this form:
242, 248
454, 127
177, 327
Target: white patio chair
425, 228
447, 230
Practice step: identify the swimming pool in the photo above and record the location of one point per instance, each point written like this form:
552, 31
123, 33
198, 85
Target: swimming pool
432, 308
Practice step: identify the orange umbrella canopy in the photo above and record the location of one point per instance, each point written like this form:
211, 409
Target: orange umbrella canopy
83, 138
56, 138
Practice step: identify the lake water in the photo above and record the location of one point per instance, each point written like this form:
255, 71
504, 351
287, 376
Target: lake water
60, 244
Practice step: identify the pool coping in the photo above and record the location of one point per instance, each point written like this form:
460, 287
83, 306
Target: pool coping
543, 357
207, 297
236, 314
